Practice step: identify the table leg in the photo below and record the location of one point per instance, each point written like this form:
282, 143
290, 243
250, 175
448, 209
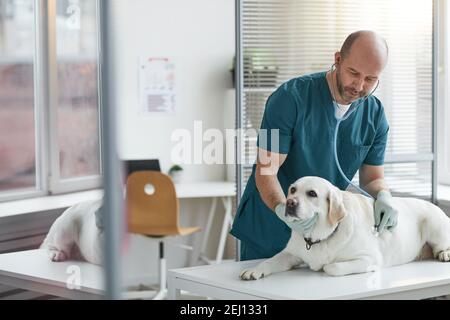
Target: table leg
173, 293
227, 222
196, 255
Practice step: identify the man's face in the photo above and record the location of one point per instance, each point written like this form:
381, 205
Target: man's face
356, 77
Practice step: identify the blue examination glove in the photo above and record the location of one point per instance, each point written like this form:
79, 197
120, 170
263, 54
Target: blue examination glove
299, 226
385, 212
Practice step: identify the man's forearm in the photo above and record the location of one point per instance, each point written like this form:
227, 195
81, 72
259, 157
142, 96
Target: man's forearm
270, 190
375, 186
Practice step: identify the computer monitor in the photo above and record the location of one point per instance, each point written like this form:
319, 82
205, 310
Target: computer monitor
142, 165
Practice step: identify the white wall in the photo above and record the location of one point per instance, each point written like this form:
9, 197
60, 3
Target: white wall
199, 36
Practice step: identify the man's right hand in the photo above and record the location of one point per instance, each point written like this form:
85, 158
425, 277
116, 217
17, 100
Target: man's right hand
299, 226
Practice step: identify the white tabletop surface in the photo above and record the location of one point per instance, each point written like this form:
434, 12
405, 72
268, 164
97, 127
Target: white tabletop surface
205, 189
304, 283
35, 267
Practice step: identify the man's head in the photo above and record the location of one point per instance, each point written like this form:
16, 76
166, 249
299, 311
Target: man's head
362, 58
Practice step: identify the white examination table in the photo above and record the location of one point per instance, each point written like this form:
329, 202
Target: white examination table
416, 280
32, 270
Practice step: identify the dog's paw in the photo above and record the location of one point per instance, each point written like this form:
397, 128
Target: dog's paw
57, 255
332, 269
252, 274
444, 256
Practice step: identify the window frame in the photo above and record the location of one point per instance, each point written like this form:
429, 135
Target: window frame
413, 157
48, 180
443, 95
56, 185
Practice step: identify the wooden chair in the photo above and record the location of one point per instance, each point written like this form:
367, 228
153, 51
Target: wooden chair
153, 211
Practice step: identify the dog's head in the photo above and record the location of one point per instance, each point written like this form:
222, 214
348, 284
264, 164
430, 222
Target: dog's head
310, 195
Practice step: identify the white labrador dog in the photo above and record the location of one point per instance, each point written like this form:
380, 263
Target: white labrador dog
342, 241
75, 234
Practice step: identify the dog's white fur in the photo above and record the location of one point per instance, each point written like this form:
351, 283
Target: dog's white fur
74, 235
353, 247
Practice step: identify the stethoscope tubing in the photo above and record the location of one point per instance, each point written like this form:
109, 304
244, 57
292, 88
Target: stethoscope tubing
339, 120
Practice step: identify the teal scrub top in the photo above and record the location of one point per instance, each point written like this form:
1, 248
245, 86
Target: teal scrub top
303, 111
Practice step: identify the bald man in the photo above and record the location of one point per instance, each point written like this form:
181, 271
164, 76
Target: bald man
296, 140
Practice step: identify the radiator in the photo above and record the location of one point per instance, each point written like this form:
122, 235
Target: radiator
21, 241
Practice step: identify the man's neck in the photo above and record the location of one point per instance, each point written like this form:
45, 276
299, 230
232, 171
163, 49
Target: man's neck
332, 85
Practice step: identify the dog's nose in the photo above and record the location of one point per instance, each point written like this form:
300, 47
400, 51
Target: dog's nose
291, 207
291, 203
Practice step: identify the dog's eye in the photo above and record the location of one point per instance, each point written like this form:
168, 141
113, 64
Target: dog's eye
293, 190
312, 193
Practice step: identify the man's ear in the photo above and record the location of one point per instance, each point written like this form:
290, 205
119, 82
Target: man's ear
337, 58
336, 209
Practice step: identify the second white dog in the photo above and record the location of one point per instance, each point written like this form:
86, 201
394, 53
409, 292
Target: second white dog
342, 241
75, 235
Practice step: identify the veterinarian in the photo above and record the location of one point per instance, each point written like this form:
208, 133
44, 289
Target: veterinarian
303, 111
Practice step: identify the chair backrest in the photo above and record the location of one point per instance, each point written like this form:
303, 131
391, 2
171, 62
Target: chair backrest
142, 165
155, 213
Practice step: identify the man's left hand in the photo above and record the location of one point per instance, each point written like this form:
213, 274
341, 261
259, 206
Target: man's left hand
385, 212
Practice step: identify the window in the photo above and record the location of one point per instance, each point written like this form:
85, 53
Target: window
49, 106
286, 38
17, 96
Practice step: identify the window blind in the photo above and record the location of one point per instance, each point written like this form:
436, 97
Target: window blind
284, 39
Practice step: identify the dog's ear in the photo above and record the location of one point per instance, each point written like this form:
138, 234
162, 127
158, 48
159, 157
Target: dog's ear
336, 209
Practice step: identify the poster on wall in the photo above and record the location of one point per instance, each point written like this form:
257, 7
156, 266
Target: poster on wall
157, 85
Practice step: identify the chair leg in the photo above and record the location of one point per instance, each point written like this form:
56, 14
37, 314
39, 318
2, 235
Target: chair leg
162, 267
162, 293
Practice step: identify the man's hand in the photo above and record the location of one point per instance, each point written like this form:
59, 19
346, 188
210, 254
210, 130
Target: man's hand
299, 226
385, 212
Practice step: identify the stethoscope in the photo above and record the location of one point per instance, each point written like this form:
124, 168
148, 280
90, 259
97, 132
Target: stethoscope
352, 109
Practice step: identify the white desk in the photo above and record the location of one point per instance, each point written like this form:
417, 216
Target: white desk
416, 280
32, 270
206, 189
225, 191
